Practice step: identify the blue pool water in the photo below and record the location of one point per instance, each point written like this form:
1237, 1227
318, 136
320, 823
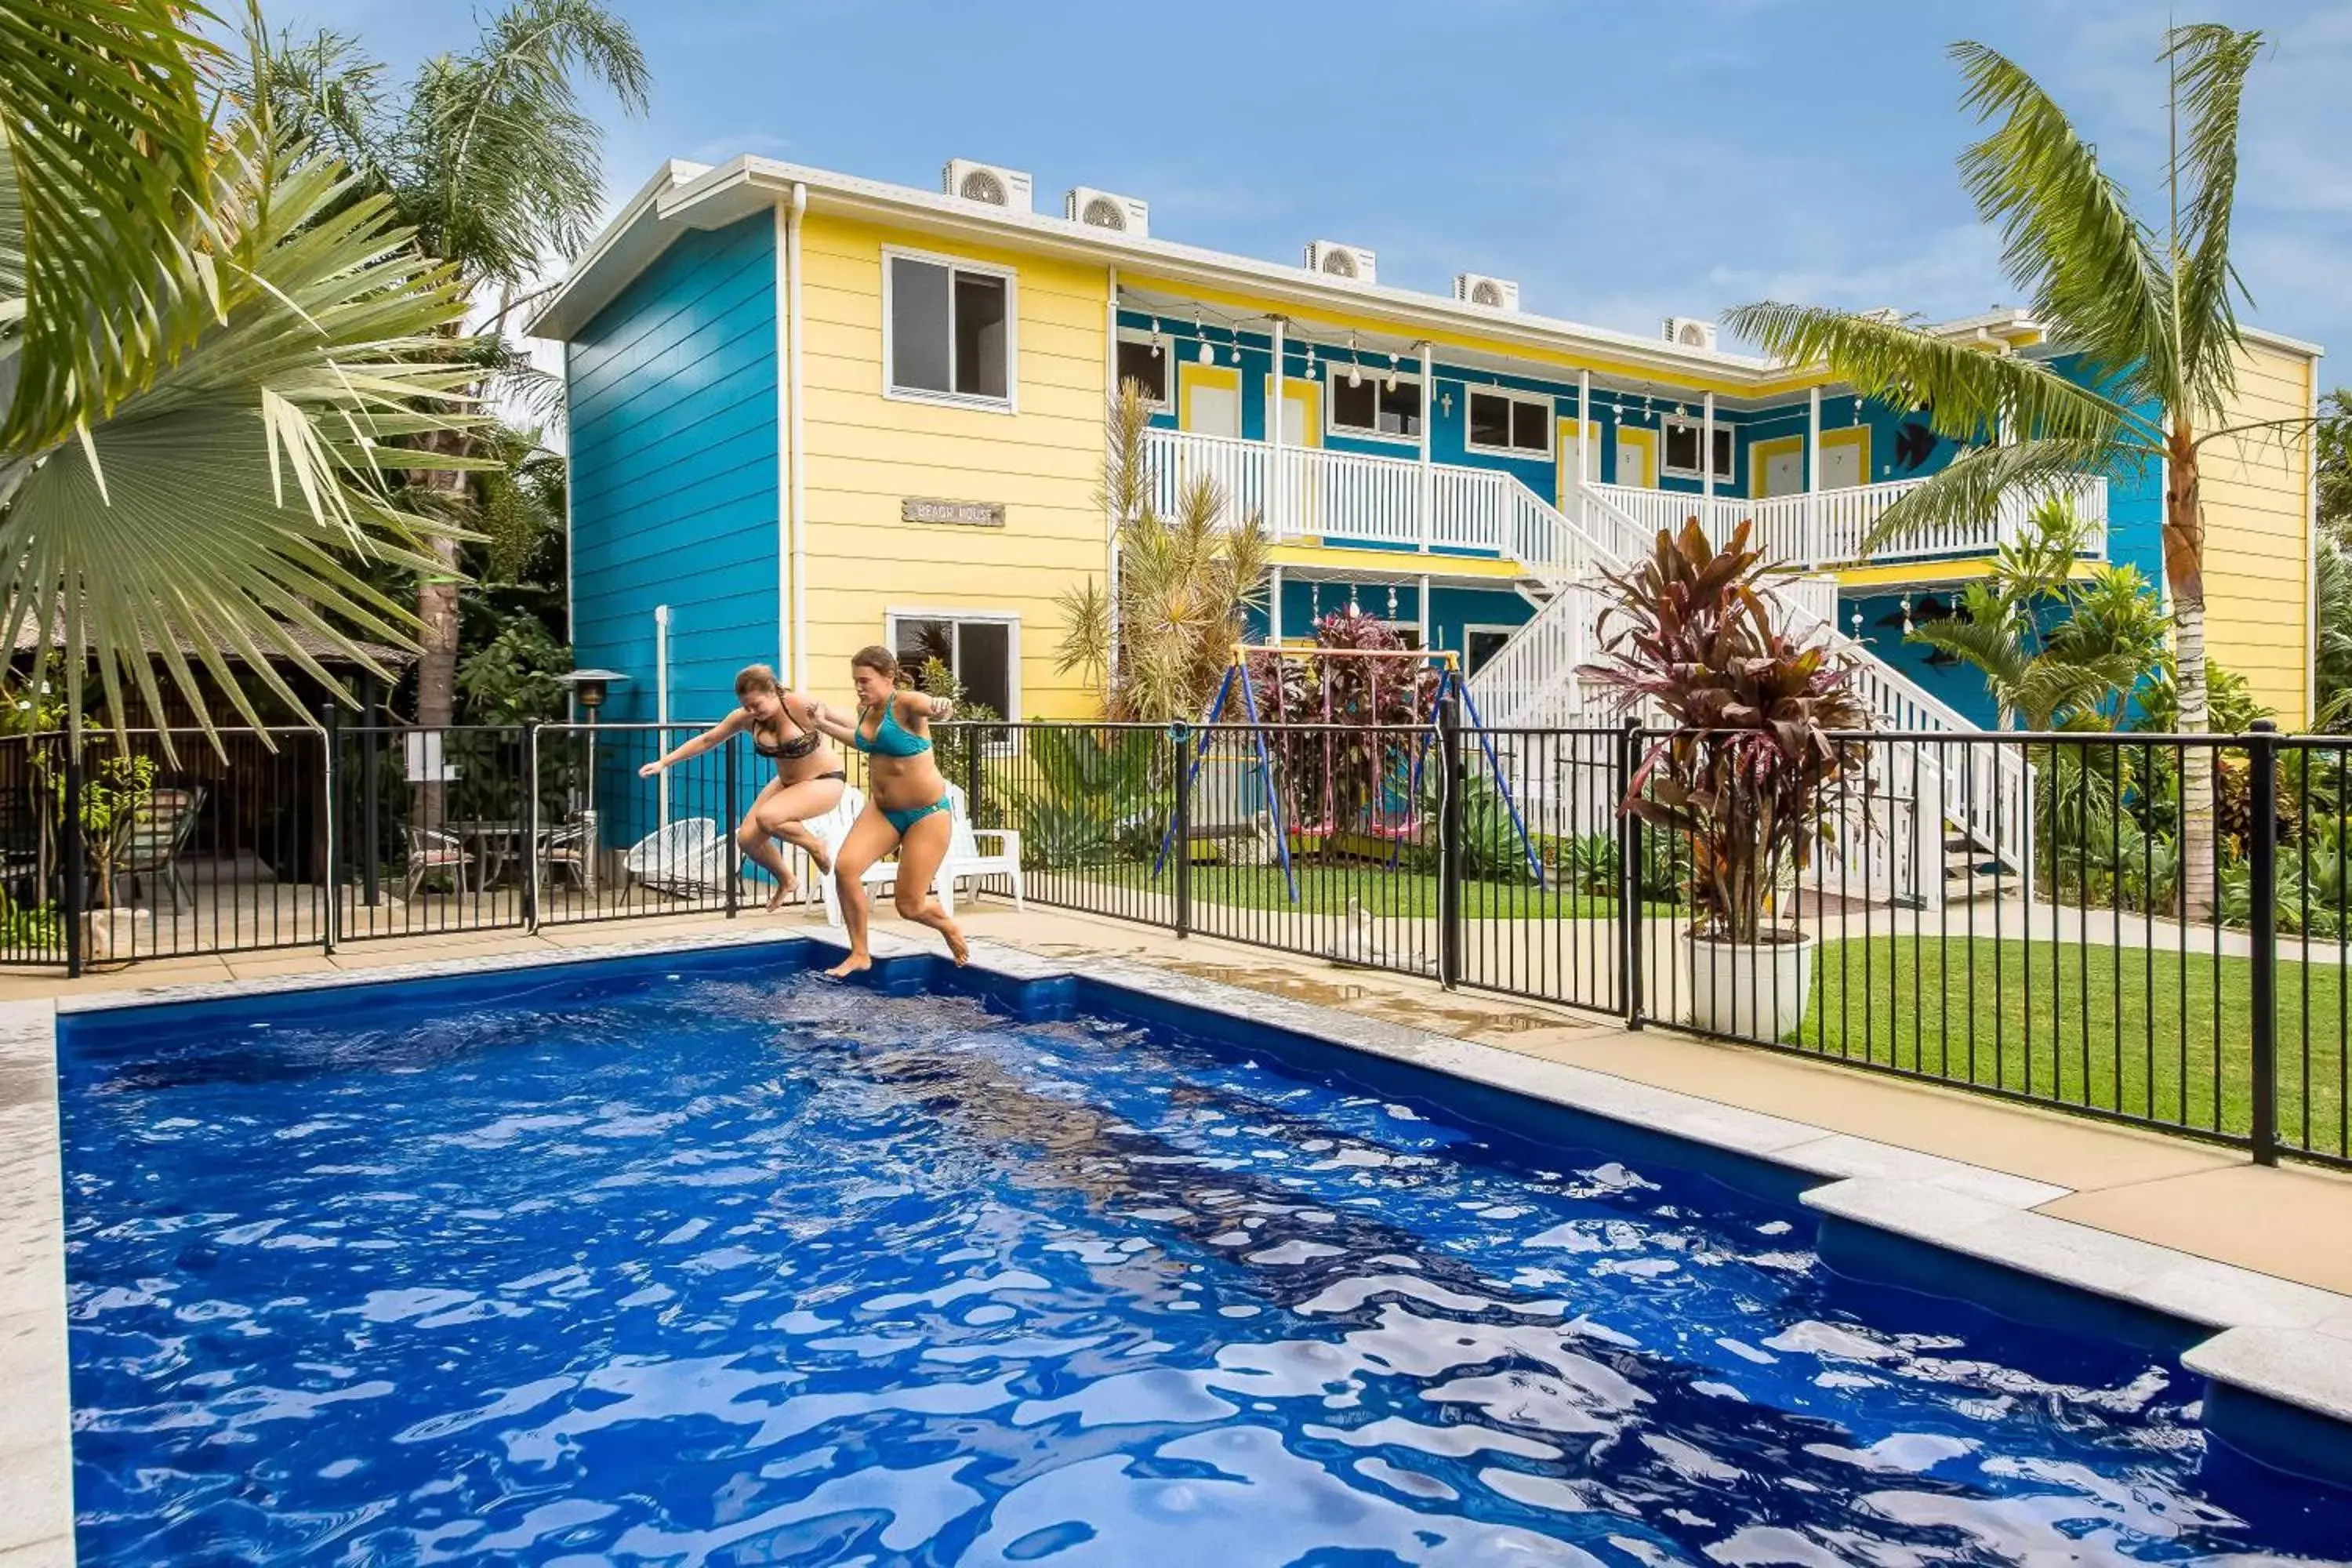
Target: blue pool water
717, 1262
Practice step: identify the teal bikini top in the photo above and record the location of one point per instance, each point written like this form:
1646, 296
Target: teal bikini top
891, 738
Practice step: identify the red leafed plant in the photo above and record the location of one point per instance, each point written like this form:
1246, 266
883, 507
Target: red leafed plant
1753, 772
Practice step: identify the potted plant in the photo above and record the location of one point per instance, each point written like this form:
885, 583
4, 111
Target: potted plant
1749, 776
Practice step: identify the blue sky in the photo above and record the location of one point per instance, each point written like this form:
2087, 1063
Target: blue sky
1622, 161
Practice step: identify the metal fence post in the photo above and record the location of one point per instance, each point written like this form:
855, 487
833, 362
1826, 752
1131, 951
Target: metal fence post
330, 728
1182, 734
532, 850
76, 860
1449, 840
2261, 869
972, 775
1628, 874
734, 840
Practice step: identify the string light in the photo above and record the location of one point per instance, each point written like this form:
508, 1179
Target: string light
1393, 373
1355, 375
1392, 616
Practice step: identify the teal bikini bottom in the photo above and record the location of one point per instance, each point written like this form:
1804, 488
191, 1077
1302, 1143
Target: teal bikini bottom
903, 820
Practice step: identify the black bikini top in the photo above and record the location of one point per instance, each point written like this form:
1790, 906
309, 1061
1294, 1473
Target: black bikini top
801, 745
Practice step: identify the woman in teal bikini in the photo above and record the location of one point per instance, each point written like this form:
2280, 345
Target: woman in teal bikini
908, 804
809, 777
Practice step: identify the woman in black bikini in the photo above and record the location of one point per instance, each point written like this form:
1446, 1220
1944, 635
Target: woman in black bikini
809, 777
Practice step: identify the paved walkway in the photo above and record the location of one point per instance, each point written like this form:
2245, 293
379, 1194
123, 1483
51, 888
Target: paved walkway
2292, 1222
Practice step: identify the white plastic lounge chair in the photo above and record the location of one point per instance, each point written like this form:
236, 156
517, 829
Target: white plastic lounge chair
685, 859
974, 853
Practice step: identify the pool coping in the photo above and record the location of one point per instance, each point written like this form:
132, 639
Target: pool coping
2267, 1341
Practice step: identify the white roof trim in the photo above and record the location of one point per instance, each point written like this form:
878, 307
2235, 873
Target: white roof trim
683, 195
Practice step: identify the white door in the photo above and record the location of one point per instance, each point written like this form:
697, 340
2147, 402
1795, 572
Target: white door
1633, 461
1294, 421
1841, 466
1784, 473
1216, 410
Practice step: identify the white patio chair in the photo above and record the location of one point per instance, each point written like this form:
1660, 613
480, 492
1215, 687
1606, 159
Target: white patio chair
974, 853
683, 860
831, 828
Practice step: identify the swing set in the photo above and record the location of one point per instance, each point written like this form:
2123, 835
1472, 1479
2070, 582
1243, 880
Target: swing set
1425, 731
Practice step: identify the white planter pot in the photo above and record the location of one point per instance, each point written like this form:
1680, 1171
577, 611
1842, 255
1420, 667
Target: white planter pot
1756, 989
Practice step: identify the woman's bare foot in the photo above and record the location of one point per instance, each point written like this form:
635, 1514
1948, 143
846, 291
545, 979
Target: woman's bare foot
856, 963
956, 948
785, 888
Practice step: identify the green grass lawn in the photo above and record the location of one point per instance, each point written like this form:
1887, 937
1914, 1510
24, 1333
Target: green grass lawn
2152, 1034
1325, 890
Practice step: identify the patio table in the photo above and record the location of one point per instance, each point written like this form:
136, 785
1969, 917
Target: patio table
492, 844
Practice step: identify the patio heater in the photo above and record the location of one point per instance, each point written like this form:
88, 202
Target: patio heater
589, 690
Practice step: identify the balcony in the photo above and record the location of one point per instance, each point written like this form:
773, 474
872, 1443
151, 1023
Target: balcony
1382, 503
1827, 529
1397, 503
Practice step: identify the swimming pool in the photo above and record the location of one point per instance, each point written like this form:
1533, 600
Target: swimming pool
700, 1259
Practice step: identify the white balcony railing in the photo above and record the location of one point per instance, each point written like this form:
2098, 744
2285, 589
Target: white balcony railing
1830, 527
1314, 493
1348, 497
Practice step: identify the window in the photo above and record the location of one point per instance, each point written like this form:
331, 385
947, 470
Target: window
1372, 407
1682, 450
1508, 422
1145, 366
980, 652
950, 332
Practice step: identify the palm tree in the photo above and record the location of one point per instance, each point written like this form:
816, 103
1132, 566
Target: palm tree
208, 334
491, 158
2152, 313
1161, 638
2078, 670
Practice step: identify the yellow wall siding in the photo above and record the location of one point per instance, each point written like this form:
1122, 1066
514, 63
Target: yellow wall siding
2257, 500
865, 453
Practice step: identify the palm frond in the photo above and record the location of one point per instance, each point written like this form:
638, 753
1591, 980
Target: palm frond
1969, 392
2071, 241
506, 164
108, 142
1971, 488
2211, 62
224, 502
1990, 646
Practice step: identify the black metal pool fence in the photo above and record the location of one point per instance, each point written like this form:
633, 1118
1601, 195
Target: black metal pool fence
2022, 914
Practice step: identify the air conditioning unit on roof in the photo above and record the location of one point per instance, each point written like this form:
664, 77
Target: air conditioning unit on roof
1351, 262
988, 184
1690, 331
1494, 293
1106, 209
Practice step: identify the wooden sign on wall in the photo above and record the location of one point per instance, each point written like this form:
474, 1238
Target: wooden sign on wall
964, 514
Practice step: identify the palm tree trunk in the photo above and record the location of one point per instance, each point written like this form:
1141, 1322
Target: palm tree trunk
436, 608
2184, 569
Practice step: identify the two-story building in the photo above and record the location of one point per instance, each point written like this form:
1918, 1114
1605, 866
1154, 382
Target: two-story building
810, 412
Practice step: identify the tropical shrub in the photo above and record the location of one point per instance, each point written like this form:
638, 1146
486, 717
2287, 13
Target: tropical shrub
1746, 776
1370, 717
1087, 797
1161, 637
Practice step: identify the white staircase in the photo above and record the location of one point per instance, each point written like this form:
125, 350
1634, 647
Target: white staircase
1981, 794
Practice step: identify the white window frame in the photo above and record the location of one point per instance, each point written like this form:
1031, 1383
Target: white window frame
1334, 372
1723, 432
1512, 393
895, 614
1469, 628
1008, 403
1166, 404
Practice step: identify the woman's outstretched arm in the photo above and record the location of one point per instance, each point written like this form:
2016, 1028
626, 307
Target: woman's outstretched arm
731, 724
832, 723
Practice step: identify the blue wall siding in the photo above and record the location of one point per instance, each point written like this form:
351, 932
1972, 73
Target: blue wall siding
675, 470
672, 392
